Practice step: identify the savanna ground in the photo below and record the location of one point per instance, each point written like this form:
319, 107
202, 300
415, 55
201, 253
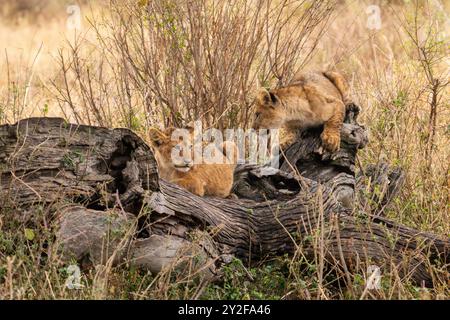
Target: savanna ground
136, 64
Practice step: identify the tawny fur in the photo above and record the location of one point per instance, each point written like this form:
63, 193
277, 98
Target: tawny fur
313, 99
200, 179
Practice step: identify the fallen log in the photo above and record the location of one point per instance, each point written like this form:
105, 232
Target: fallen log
307, 206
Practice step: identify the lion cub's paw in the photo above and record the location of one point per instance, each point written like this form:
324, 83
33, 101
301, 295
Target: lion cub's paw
192, 185
331, 141
233, 196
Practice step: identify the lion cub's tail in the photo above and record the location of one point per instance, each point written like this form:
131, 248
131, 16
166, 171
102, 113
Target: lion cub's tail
340, 83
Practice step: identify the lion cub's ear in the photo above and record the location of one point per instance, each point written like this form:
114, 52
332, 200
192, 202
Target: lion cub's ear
267, 98
157, 137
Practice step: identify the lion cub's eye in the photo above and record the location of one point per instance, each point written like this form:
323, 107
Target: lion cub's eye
257, 114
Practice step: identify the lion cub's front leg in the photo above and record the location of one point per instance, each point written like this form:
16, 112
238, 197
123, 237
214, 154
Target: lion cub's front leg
193, 185
287, 137
331, 135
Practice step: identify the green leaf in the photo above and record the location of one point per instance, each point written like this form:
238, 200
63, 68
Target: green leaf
29, 234
45, 110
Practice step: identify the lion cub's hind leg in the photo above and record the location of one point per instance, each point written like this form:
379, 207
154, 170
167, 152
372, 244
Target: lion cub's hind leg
340, 83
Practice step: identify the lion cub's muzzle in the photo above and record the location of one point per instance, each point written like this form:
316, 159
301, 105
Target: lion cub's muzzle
184, 166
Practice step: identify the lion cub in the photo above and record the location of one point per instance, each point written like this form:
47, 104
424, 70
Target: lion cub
212, 179
313, 99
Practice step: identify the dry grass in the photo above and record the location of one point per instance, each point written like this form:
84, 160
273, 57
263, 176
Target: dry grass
398, 74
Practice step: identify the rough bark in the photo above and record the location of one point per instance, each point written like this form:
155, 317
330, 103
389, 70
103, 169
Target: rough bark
305, 206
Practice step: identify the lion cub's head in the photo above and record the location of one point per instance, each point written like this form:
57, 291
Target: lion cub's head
173, 149
269, 112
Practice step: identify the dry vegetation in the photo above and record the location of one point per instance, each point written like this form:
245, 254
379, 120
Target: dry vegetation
139, 65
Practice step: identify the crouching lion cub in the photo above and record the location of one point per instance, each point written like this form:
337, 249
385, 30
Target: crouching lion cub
212, 179
313, 99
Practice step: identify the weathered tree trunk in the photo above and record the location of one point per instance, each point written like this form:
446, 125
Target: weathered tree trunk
306, 206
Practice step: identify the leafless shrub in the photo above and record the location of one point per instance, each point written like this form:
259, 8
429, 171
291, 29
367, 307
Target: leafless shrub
178, 61
430, 49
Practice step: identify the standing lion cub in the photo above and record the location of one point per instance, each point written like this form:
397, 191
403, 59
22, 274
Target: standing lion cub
212, 179
313, 99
